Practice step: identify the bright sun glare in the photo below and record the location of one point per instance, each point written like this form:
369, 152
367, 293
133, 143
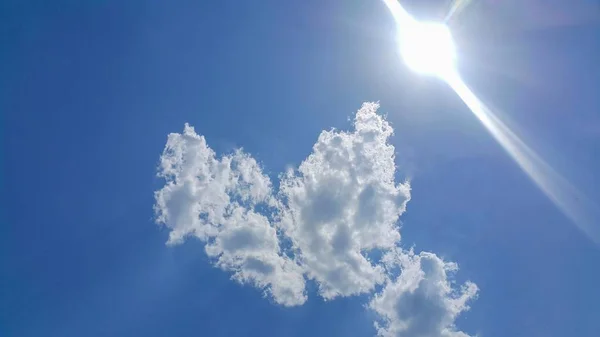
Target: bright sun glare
427, 48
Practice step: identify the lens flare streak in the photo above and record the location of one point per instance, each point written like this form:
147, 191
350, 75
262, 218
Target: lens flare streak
456, 8
559, 190
401, 16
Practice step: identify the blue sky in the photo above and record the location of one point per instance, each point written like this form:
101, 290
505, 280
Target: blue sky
91, 90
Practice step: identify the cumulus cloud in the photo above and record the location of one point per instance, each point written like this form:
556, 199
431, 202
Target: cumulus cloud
217, 201
340, 204
421, 301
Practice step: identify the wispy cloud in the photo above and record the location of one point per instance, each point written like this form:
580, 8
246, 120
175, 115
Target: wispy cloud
339, 205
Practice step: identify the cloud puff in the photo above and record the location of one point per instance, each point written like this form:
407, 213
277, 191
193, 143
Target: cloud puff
342, 203
217, 200
421, 301
339, 205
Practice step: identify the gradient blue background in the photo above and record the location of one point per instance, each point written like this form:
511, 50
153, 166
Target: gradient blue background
89, 91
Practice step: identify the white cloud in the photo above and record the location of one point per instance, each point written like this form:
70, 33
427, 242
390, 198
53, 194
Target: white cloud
216, 200
340, 204
248, 245
421, 301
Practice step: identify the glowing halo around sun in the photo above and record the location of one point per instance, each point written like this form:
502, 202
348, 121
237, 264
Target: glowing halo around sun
428, 49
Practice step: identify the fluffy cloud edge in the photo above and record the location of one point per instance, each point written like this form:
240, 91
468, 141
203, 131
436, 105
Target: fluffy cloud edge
422, 301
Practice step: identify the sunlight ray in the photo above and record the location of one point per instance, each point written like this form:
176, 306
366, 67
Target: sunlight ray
401, 16
566, 197
456, 8
558, 189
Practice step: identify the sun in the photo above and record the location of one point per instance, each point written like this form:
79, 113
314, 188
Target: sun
427, 47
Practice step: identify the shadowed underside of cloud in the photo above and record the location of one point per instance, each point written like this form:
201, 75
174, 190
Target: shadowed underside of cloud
420, 302
340, 204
